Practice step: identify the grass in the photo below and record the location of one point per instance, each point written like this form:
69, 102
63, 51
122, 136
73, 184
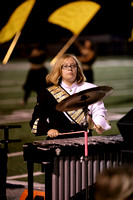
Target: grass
107, 72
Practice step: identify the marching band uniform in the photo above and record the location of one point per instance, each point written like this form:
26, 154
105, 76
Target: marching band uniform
46, 117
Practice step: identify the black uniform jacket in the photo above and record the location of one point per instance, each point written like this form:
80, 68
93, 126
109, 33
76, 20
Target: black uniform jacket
49, 117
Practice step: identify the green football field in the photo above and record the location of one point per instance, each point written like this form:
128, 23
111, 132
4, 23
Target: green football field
116, 72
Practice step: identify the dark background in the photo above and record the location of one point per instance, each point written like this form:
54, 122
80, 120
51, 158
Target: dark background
112, 23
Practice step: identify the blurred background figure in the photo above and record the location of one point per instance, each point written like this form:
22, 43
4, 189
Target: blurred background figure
87, 57
115, 184
35, 80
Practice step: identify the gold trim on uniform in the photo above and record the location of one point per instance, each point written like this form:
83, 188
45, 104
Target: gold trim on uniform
60, 94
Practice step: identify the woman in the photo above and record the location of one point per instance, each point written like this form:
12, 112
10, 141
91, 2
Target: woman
66, 78
35, 79
87, 57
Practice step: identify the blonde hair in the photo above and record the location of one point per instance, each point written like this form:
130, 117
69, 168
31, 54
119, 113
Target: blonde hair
115, 184
55, 75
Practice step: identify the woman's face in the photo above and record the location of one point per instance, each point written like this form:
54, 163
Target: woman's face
69, 71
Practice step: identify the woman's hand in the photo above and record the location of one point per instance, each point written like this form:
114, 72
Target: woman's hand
98, 129
53, 133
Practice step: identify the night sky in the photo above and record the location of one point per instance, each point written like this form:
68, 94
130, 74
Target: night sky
115, 17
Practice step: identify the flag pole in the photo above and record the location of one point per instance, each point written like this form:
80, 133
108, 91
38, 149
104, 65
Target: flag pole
64, 49
10, 50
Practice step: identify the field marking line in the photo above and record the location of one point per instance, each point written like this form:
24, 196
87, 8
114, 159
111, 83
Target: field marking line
38, 186
23, 175
15, 154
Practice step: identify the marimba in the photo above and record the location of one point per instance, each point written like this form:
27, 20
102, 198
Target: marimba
64, 163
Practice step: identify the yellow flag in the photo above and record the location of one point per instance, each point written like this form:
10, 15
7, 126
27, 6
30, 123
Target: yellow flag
16, 21
131, 38
74, 16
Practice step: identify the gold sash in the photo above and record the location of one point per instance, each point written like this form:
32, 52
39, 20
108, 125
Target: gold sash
60, 94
